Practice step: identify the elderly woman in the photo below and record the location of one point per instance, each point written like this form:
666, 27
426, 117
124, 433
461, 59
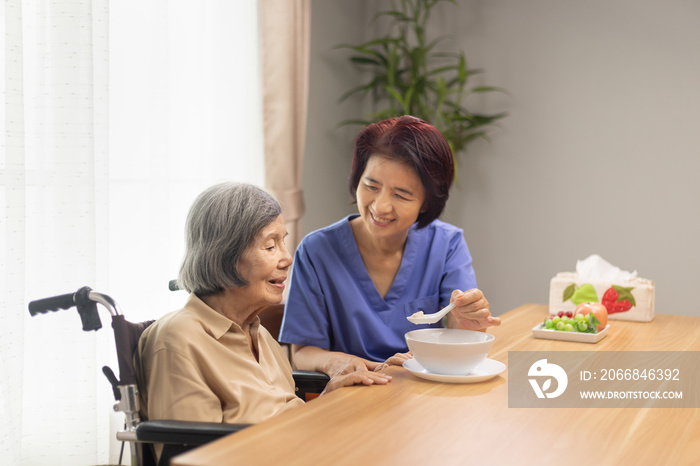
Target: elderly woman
355, 282
211, 360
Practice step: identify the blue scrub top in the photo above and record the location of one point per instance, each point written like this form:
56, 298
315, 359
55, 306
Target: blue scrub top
333, 303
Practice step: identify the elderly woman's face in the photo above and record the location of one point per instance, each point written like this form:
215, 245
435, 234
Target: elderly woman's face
264, 265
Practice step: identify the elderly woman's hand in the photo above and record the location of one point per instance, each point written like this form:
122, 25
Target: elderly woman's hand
342, 363
396, 360
334, 363
471, 311
359, 377
351, 370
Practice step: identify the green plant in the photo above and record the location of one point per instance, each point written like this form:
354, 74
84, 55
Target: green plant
408, 76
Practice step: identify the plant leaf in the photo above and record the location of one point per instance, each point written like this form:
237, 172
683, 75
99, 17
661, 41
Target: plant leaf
481, 89
396, 14
353, 122
364, 87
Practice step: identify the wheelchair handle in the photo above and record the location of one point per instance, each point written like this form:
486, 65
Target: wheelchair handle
66, 301
53, 304
106, 301
85, 300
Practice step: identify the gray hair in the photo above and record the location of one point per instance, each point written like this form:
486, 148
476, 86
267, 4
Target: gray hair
222, 223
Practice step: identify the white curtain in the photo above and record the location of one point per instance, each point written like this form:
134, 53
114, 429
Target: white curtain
115, 115
285, 36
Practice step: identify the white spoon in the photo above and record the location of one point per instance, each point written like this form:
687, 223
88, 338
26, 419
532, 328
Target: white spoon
420, 318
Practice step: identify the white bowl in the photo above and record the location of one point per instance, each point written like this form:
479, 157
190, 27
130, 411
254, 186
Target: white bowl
449, 351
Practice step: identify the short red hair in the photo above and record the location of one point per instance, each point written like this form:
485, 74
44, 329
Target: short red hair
414, 142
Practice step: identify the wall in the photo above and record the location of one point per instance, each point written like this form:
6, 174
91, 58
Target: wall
598, 155
328, 146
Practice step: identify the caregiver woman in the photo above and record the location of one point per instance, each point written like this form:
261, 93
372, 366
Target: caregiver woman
353, 283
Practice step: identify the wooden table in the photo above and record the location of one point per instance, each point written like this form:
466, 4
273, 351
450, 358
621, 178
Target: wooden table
414, 421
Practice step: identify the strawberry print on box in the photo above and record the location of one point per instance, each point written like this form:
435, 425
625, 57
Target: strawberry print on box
618, 299
632, 300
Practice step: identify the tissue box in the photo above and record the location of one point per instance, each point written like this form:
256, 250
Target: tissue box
630, 300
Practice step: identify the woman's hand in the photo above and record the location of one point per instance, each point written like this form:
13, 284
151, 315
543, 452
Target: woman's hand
331, 363
471, 311
396, 360
342, 364
359, 377
344, 369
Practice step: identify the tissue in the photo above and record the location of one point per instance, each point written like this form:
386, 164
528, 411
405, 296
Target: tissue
596, 269
626, 295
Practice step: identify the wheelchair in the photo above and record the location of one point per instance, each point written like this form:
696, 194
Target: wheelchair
176, 436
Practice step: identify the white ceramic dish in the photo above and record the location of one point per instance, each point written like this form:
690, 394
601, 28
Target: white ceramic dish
540, 332
488, 369
449, 351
